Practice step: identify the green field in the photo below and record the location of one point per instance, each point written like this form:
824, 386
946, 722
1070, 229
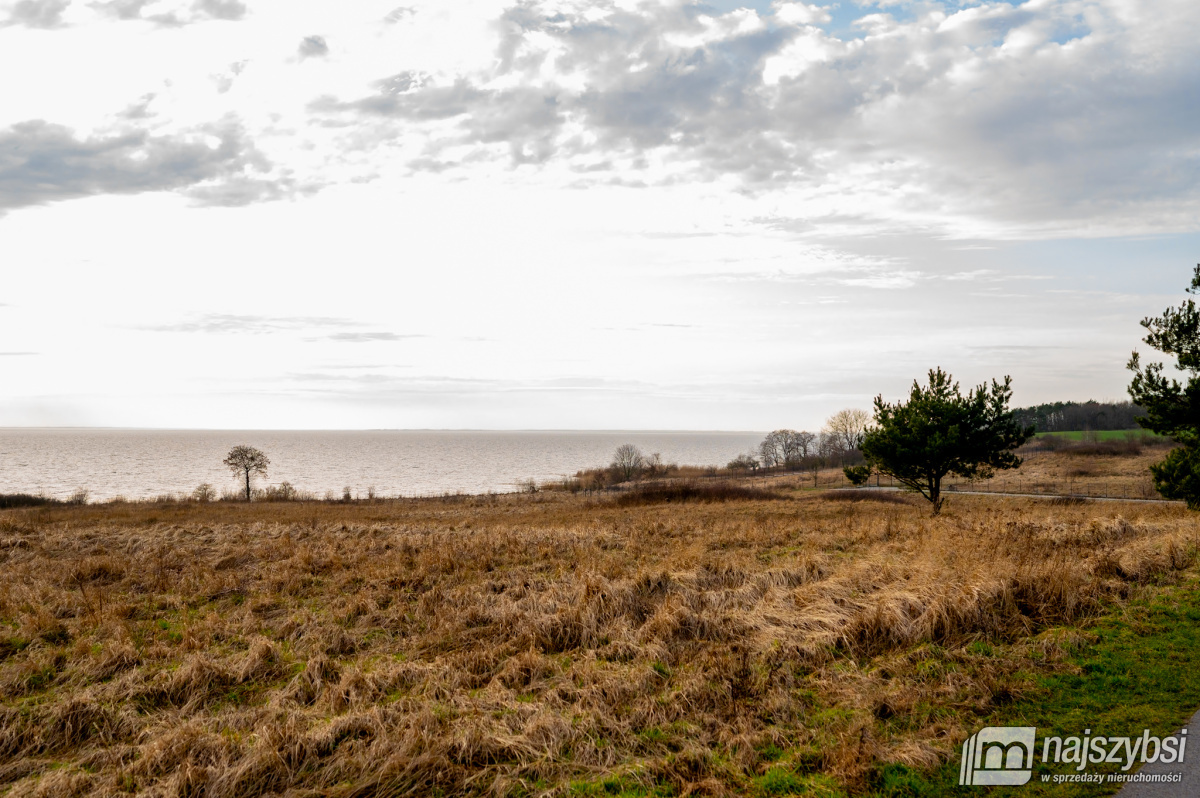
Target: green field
1101, 435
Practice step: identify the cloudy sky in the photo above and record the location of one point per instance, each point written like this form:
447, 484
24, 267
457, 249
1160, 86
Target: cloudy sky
654, 214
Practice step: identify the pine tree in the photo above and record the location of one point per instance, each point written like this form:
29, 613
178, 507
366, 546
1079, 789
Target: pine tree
1172, 407
939, 432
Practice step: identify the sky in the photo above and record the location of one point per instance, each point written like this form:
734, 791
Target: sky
611, 214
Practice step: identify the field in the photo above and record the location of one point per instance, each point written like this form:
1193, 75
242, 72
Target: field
732, 638
1101, 435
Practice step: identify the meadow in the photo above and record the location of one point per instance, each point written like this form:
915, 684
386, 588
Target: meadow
1102, 435
721, 637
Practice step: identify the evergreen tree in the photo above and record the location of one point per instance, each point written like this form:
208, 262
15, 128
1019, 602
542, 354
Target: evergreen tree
939, 431
1172, 407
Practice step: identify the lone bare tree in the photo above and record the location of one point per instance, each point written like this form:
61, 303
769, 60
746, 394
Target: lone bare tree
628, 461
848, 427
246, 461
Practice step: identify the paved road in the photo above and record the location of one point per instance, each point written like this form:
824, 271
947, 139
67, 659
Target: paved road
1189, 787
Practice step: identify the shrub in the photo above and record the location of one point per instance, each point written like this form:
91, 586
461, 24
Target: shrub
11, 500
284, 492
884, 497
743, 462
858, 475
692, 492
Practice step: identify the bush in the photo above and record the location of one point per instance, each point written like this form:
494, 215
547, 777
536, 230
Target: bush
283, 492
743, 462
692, 492
884, 497
858, 475
11, 500
204, 493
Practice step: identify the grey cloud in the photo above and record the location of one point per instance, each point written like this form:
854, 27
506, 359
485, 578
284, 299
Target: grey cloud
1014, 348
224, 80
200, 11
313, 47
139, 110
235, 191
37, 13
361, 337
42, 162
399, 14
224, 323
688, 97
459, 389
220, 9
941, 114
360, 379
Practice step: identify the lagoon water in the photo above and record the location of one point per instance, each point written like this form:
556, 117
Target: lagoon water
140, 464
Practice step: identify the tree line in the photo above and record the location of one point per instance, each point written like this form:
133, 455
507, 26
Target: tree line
788, 449
1080, 416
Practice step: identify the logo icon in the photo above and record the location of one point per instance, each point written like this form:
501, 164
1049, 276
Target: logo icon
998, 755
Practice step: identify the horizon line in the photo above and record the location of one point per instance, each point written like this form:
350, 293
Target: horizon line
368, 429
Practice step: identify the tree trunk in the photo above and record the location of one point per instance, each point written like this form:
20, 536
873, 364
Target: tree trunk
935, 494
247, 484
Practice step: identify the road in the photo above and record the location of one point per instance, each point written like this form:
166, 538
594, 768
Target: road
1188, 787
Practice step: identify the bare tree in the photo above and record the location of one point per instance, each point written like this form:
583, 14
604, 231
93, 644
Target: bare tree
806, 444
247, 461
785, 447
828, 446
628, 461
848, 427
774, 448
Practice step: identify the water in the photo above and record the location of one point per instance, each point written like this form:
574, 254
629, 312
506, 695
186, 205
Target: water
147, 463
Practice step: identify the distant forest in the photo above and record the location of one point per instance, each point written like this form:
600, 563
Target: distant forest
1071, 416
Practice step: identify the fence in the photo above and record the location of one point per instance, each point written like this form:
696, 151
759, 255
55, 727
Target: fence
1127, 487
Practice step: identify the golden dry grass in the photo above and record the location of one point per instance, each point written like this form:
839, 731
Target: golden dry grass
1086, 474
519, 644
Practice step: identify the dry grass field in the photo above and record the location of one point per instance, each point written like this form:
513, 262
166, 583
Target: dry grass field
541, 644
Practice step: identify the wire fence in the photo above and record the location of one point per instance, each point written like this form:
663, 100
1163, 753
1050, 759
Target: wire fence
1093, 488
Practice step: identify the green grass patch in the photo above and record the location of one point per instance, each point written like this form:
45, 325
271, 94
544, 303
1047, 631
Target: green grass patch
616, 787
1140, 674
1101, 435
10, 646
783, 781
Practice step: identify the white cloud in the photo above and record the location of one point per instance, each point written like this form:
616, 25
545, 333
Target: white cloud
637, 194
800, 13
